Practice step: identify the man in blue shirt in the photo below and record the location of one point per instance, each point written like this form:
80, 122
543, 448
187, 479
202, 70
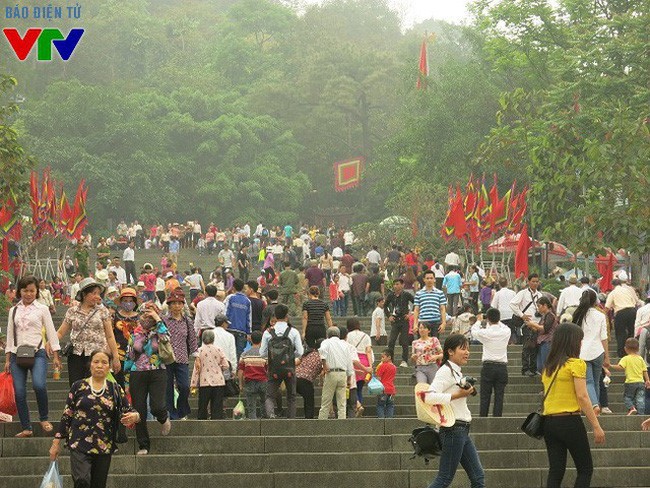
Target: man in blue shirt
452, 283
240, 315
430, 306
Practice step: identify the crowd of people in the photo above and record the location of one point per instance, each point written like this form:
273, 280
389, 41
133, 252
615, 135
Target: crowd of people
131, 336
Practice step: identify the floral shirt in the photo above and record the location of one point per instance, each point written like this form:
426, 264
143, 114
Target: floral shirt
425, 349
310, 366
87, 329
182, 336
213, 362
88, 420
123, 328
143, 348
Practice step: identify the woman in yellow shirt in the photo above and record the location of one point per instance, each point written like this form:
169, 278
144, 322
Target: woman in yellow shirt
566, 376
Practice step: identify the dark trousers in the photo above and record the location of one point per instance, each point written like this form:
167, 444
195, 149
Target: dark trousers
154, 385
214, 396
178, 373
528, 354
305, 389
78, 368
89, 470
562, 434
358, 304
494, 376
313, 333
129, 268
161, 296
243, 274
272, 390
400, 328
624, 328
453, 299
458, 448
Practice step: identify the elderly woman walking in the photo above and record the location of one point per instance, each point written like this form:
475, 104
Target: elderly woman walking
91, 329
89, 426
147, 375
24, 330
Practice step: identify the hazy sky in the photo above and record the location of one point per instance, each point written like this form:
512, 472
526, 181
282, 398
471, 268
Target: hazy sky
418, 10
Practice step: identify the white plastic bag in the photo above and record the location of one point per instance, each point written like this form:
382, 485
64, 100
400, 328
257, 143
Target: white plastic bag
52, 478
239, 412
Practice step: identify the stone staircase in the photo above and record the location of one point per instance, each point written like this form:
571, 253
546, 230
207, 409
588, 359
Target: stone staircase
363, 452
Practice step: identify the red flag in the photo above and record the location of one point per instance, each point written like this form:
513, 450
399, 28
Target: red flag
424, 67
34, 198
458, 218
605, 266
521, 253
78, 219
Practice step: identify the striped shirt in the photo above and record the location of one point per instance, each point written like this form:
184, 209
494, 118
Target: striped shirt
315, 312
428, 303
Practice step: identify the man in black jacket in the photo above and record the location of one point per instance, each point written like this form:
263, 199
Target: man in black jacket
396, 309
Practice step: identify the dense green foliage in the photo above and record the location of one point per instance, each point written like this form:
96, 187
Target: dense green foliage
229, 110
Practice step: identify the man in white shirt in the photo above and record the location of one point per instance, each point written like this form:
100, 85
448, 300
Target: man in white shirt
494, 372
569, 297
196, 232
337, 253
116, 268
348, 238
225, 340
373, 257
524, 307
128, 258
338, 368
208, 309
445, 390
501, 301
273, 385
226, 257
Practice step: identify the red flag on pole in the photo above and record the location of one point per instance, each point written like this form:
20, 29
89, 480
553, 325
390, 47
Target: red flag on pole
424, 66
521, 253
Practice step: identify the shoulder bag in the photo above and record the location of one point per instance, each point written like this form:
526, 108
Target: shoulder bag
68, 348
25, 355
533, 426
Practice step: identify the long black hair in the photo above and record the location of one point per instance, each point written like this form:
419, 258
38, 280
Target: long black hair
452, 342
587, 300
566, 343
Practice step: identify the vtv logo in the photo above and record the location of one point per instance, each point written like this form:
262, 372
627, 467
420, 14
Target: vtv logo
44, 38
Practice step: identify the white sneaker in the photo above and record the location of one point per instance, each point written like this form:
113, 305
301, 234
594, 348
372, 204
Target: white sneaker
403, 364
142, 452
605, 410
166, 427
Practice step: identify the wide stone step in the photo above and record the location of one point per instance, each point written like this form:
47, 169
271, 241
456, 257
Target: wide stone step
610, 477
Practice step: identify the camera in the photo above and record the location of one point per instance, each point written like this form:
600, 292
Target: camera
467, 382
538, 315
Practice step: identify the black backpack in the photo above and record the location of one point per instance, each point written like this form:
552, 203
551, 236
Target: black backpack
426, 443
282, 355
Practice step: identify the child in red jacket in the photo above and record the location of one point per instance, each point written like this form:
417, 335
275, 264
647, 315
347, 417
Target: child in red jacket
386, 374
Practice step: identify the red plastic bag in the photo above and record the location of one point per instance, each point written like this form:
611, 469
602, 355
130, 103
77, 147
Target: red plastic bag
7, 397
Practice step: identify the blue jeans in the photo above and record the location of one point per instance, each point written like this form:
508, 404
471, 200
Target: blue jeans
594, 370
39, 377
458, 448
180, 373
240, 343
633, 396
542, 354
385, 406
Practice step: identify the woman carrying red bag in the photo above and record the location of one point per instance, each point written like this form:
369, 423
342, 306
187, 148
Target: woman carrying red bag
26, 322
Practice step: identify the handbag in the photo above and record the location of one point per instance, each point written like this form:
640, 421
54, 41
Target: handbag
231, 388
533, 426
25, 355
166, 351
